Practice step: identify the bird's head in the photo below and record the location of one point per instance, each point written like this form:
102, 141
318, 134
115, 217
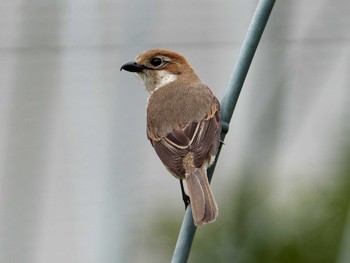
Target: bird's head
159, 67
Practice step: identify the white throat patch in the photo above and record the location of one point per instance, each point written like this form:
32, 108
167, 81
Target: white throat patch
164, 78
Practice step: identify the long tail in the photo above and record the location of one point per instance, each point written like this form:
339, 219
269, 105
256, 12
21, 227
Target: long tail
203, 204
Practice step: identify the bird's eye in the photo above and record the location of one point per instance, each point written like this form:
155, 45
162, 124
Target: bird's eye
156, 62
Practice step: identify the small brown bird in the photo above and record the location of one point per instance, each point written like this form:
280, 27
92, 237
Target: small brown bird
183, 124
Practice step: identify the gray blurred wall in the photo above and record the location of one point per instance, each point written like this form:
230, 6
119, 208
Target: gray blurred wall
78, 179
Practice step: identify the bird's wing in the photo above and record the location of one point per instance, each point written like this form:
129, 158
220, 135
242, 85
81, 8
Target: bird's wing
201, 138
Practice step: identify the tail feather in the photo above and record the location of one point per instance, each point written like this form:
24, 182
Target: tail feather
203, 204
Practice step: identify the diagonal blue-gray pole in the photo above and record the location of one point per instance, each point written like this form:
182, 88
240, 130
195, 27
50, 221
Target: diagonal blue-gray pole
228, 103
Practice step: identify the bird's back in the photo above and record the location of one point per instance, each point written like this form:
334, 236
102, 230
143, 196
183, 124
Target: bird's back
184, 103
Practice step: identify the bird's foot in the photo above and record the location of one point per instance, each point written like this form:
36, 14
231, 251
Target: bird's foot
186, 200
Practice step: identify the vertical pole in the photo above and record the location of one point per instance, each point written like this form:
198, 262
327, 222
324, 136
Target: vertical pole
228, 104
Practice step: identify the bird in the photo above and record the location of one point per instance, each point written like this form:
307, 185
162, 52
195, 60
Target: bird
183, 124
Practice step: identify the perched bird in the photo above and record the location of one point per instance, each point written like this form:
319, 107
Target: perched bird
183, 124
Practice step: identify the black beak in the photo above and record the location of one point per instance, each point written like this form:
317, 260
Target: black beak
132, 66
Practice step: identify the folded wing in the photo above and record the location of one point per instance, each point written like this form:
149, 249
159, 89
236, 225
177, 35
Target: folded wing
200, 138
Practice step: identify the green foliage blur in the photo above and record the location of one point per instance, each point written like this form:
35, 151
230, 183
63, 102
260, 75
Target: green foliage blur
251, 228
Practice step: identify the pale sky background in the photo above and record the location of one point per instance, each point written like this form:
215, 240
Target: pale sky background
78, 178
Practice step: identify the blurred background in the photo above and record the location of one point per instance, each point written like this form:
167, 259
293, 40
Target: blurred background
79, 182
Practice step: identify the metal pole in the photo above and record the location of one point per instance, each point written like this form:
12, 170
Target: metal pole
228, 104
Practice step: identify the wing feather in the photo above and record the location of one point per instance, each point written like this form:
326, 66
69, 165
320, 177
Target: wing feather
201, 138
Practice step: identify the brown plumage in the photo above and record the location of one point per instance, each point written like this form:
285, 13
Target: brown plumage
183, 124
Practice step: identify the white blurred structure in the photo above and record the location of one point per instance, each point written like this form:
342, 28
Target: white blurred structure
77, 175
